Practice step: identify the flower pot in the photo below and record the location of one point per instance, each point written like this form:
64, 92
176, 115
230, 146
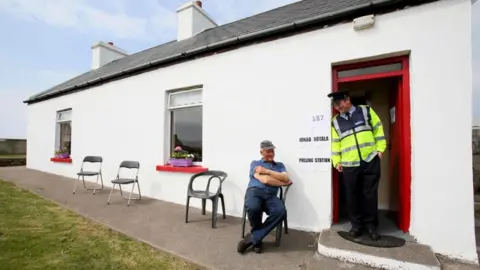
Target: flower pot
63, 155
180, 162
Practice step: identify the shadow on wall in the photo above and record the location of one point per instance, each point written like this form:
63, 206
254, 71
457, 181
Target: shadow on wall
297, 200
13, 146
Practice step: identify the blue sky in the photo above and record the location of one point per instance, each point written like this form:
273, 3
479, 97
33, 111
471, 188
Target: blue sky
48, 41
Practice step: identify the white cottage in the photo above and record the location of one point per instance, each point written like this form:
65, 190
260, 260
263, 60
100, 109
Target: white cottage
220, 90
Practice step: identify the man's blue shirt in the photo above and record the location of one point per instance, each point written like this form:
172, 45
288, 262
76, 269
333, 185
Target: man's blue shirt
274, 166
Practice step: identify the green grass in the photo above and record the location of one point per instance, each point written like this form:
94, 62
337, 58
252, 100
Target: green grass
38, 234
12, 156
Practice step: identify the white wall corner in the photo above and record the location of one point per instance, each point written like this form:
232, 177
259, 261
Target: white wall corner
104, 53
192, 19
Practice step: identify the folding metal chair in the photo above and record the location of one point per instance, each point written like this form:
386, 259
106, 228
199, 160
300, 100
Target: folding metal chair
83, 173
126, 181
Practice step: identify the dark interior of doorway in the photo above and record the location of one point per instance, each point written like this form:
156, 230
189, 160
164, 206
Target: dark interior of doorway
379, 94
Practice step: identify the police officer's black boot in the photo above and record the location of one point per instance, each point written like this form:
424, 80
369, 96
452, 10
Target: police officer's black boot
372, 233
354, 232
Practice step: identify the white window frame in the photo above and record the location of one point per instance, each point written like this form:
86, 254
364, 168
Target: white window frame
58, 123
173, 108
170, 108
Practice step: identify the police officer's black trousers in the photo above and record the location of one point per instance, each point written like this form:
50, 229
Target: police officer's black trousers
361, 190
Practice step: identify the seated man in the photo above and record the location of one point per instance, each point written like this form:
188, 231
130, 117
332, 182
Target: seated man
266, 176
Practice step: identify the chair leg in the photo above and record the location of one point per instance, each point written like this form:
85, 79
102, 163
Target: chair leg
278, 237
214, 212
131, 192
76, 184
139, 193
244, 220
120, 187
204, 203
109, 196
96, 183
101, 179
285, 222
186, 209
223, 206
83, 181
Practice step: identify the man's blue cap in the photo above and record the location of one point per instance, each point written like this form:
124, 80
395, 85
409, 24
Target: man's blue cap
267, 145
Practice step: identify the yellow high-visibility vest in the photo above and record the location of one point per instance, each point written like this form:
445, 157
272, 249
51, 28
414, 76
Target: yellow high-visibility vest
359, 138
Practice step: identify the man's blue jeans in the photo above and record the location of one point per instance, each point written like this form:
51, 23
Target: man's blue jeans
258, 201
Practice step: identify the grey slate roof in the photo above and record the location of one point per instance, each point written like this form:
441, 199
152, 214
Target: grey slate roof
276, 18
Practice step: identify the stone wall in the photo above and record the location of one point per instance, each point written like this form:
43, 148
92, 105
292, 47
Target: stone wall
8, 162
12, 152
13, 146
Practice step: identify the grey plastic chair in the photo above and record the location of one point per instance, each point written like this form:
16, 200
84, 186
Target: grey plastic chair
131, 165
82, 173
278, 234
207, 194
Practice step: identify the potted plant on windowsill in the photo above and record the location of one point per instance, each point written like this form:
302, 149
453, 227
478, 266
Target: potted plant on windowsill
181, 158
62, 153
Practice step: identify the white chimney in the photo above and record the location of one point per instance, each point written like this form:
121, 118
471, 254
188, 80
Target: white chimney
192, 19
104, 53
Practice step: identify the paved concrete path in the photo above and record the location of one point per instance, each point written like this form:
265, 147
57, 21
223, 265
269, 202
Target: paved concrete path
162, 225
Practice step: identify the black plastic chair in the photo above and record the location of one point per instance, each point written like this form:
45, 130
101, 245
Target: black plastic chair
207, 194
82, 173
126, 181
278, 234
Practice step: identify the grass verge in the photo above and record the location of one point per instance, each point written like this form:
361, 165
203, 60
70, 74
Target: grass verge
38, 234
12, 156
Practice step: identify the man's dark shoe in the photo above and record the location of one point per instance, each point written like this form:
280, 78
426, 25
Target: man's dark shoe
258, 248
354, 233
373, 235
244, 244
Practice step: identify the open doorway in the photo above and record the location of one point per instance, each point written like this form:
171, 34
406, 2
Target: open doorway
383, 85
380, 95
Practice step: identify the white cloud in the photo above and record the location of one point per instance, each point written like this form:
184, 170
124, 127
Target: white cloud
86, 16
83, 15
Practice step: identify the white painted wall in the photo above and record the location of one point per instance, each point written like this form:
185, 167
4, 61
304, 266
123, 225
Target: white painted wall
263, 91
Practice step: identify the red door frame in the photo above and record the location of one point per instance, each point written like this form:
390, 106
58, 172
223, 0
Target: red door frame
403, 118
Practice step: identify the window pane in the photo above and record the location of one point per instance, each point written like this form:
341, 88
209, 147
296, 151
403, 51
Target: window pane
369, 70
187, 98
187, 130
66, 136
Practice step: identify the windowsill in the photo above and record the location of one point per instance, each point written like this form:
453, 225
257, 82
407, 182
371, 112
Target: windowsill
192, 169
61, 160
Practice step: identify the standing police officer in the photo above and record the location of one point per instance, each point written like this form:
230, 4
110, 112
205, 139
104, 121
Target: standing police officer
358, 142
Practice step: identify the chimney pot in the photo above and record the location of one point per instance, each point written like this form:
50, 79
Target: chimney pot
198, 3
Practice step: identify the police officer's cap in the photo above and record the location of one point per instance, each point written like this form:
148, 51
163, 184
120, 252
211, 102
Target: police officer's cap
337, 96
